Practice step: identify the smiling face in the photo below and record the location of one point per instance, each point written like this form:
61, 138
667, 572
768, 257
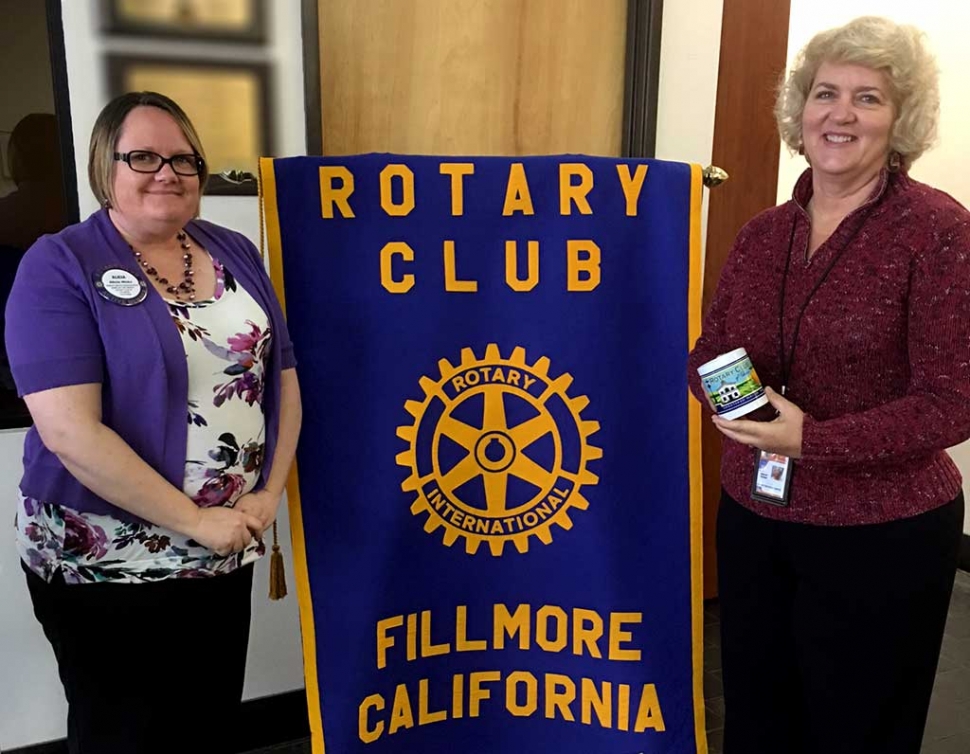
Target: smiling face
153, 203
846, 123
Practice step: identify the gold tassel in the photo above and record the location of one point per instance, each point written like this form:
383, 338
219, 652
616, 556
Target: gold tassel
277, 576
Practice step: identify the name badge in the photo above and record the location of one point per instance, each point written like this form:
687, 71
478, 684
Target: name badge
772, 478
120, 286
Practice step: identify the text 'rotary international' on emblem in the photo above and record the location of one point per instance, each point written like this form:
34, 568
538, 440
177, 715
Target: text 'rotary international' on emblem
521, 451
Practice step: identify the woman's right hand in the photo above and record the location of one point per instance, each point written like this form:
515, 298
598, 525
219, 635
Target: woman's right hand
225, 530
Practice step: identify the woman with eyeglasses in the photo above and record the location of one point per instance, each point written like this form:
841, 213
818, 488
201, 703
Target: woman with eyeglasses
155, 361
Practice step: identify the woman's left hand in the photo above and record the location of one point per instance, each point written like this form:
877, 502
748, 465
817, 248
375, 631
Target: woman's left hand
781, 435
263, 504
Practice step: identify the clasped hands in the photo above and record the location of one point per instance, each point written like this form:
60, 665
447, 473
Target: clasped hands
781, 435
228, 530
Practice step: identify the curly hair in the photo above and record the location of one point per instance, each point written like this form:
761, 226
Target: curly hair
899, 51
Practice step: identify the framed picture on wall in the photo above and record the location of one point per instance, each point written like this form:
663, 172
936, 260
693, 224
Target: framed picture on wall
227, 101
230, 20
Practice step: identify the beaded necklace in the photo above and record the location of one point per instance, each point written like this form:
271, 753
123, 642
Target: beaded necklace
187, 286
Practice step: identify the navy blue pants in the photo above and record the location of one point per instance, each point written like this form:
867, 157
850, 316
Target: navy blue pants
153, 667
830, 636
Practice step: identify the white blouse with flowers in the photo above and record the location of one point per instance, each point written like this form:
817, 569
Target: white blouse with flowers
227, 343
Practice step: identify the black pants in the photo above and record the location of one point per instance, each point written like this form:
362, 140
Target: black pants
149, 667
830, 636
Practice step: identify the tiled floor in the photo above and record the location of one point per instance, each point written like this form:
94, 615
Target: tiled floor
948, 725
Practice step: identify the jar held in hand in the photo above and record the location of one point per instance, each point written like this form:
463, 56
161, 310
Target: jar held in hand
734, 388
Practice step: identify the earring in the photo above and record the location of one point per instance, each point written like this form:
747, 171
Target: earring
895, 162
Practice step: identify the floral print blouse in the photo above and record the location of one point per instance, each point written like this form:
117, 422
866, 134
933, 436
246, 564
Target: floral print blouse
226, 340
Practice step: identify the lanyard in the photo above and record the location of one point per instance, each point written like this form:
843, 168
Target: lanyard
786, 364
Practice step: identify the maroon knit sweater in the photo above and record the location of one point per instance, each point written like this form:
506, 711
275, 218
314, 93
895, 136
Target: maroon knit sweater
882, 363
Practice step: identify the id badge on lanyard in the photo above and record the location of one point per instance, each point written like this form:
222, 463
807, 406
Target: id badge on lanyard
772, 478
771, 482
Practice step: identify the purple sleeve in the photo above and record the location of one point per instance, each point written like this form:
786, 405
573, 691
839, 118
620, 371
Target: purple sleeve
51, 334
287, 352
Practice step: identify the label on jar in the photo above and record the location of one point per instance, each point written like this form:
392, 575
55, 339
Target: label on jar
734, 387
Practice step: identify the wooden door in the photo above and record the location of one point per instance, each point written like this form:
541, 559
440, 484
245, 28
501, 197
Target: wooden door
487, 77
754, 48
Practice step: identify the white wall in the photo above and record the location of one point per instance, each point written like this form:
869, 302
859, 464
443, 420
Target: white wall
945, 166
32, 709
689, 53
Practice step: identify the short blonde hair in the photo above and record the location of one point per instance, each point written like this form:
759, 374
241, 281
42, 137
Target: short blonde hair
899, 51
107, 131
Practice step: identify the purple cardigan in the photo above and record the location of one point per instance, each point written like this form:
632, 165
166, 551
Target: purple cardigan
61, 332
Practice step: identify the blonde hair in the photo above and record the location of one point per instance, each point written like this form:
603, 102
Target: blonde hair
107, 131
899, 51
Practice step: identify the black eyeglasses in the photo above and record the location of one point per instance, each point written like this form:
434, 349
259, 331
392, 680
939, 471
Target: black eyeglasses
143, 161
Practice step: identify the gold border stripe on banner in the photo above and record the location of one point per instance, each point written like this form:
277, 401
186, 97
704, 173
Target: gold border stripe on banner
268, 183
694, 292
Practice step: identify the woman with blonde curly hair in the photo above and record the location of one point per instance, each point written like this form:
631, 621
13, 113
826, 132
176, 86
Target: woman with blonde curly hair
853, 302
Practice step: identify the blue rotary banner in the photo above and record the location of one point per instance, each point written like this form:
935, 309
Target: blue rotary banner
496, 509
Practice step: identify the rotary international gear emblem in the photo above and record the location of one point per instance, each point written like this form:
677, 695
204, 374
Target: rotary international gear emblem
498, 451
